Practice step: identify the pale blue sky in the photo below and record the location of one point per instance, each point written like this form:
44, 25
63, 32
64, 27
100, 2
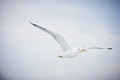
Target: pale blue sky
26, 53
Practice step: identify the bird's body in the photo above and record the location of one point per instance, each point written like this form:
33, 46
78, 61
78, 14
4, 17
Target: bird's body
68, 52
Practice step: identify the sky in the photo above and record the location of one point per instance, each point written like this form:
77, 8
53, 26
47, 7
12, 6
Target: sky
27, 53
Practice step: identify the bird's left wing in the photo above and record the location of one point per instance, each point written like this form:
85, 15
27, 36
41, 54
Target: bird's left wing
56, 36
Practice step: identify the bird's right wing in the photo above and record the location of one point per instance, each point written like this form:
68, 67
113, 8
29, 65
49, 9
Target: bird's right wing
56, 36
99, 48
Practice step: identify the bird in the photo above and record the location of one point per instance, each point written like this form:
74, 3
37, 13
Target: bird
68, 51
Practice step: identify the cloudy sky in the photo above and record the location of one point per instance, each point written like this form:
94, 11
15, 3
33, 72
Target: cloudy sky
27, 53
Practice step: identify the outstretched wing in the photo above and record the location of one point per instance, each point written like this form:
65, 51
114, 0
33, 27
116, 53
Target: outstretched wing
56, 36
99, 48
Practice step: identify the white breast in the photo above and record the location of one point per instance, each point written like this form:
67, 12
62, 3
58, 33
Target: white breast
69, 54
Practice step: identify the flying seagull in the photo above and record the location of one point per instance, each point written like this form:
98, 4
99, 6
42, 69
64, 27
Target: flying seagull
68, 51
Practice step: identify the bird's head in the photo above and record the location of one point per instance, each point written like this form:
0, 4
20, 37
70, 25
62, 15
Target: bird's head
81, 50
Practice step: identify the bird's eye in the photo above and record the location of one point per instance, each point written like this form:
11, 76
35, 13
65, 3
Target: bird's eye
78, 49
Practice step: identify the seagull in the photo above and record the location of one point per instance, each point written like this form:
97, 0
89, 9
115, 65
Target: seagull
68, 51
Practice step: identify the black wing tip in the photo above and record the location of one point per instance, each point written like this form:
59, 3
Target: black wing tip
109, 48
32, 23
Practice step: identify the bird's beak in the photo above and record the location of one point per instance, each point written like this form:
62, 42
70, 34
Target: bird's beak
83, 50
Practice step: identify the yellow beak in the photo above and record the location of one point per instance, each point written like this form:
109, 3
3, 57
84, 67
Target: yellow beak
83, 50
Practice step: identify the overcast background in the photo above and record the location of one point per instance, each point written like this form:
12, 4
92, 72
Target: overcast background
27, 53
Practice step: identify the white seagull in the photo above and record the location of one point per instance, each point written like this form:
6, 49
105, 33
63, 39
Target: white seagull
68, 52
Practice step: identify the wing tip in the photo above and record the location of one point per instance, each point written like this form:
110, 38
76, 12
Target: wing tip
32, 23
109, 48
